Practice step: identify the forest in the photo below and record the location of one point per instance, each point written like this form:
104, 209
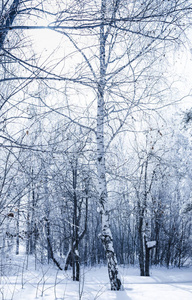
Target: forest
95, 136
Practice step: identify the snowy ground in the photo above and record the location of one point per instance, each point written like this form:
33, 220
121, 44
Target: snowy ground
46, 283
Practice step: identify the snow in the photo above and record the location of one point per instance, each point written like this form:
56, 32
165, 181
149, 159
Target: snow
47, 283
151, 244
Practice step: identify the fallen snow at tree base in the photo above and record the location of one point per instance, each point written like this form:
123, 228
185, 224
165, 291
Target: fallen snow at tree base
47, 283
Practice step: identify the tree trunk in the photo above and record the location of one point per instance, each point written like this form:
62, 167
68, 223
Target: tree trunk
32, 231
141, 248
73, 255
107, 241
51, 254
49, 246
7, 20
75, 236
147, 252
17, 228
106, 236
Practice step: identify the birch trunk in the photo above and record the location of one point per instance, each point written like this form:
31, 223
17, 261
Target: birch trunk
106, 235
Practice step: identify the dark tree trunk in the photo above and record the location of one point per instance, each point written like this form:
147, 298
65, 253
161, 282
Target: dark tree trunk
17, 229
141, 255
7, 21
73, 258
49, 246
147, 252
141, 247
51, 254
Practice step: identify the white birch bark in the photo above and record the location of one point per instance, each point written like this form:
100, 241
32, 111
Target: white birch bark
106, 235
